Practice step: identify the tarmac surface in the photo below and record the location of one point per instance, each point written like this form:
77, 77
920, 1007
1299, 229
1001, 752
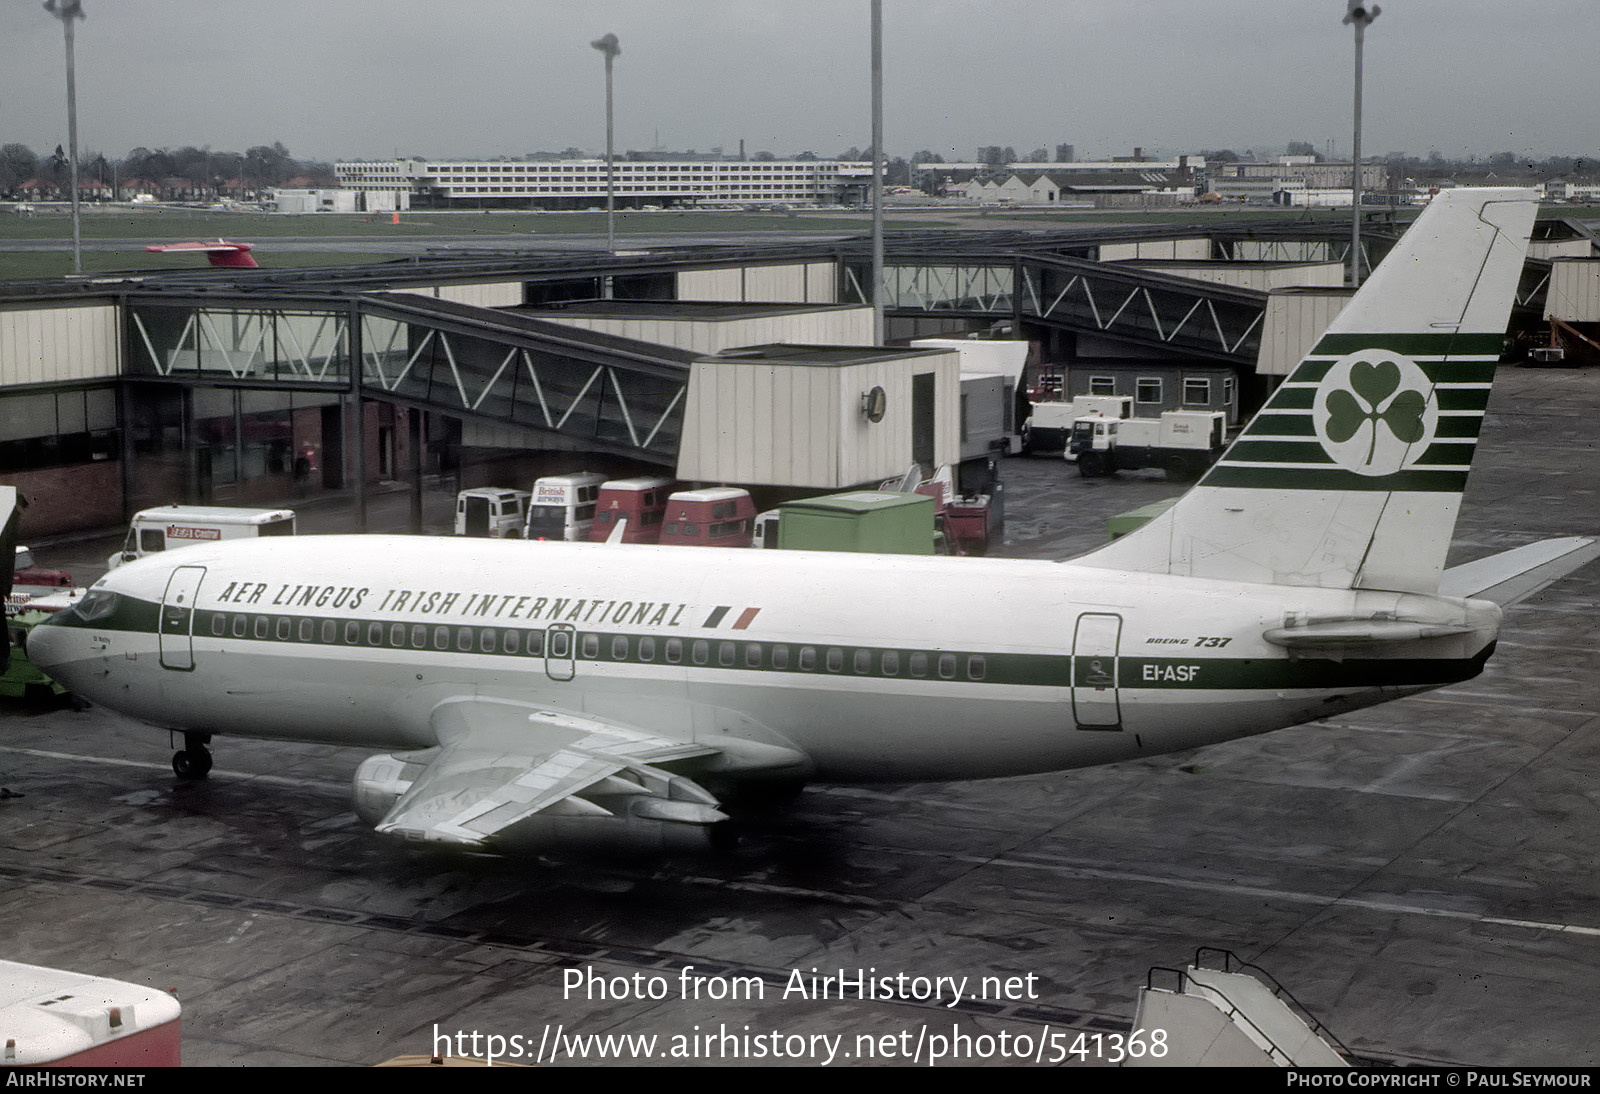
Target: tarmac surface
1420, 875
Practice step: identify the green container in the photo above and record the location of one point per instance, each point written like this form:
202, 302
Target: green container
873, 521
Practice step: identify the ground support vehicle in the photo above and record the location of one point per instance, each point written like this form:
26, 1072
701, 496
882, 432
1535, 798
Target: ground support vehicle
173, 526
1182, 443
492, 512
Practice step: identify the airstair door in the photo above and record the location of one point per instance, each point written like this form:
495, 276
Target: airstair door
176, 633
1094, 671
560, 651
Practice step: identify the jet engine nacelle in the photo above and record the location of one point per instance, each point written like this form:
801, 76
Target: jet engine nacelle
654, 812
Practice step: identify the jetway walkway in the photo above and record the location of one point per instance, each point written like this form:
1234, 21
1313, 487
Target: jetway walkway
606, 393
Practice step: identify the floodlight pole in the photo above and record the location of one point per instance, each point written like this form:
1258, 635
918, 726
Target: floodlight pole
878, 333
69, 11
1358, 16
609, 46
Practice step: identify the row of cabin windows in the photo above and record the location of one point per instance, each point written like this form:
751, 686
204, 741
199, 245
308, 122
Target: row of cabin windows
647, 649
1148, 389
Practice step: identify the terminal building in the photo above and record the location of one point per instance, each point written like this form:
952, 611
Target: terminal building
579, 184
741, 363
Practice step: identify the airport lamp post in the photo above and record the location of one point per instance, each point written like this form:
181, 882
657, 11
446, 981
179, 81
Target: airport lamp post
69, 11
877, 173
608, 45
1358, 16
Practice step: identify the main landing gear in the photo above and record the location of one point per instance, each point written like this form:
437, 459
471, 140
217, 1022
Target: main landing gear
193, 760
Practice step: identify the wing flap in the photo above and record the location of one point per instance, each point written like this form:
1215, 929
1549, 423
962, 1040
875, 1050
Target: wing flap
511, 776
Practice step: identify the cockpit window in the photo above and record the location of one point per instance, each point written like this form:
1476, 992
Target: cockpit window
96, 604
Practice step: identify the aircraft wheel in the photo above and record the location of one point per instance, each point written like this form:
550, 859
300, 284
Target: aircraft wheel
1090, 465
1178, 469
191, 763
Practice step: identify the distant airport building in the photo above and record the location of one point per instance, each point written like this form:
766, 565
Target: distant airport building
579, 184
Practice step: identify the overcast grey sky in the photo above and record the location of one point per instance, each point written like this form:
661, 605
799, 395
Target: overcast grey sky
345, 79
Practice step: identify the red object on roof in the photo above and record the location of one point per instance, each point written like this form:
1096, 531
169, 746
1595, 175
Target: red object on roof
221, 252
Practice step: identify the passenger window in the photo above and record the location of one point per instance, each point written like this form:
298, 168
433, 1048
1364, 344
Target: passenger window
560, 643
752, 655
977, 668
619, 648
238, 626
535, 643
375, 634
919, 664
486, 640
947, 666
835, 659
591, 645
808, 658
891, 662
780, 657
863, 662
726, 651
464, 639
647, 649
674, 651
219, 623
441, 638
283, 629
330, 631
261, 626
700, 651
397, 635
419, 636
307, 629
513, 642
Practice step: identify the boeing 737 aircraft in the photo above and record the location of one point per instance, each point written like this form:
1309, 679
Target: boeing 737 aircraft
547, 696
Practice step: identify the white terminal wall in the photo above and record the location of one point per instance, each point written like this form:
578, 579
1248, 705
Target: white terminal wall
786, 283
1293, 322
1191, 249
1574, 292
1262, 276
833, 327
43, 345
779, 423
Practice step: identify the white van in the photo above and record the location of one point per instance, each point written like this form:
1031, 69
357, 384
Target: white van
173, 526
563, 506
491, 511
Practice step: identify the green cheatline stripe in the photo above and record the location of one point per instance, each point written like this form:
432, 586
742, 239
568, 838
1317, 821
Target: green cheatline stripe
1411, 344
748, 657
1462, 398
1281, 425
1312, 370
1243, 673
1291, 398
1292, 478
1246, 451
1445, 454
1466, 426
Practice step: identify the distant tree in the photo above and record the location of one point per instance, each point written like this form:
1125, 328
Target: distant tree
1008, 155
1065, 153
764, 157
926, 156
851, 153
1301, 148
1039, 155
807, 156
18, 164
1221, 155
993, 154
897, 172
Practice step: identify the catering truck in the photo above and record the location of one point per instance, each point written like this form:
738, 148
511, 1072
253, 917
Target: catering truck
174, 526
1049, 425
1183, 443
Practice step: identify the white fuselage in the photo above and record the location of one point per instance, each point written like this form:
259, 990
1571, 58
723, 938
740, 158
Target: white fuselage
873, 667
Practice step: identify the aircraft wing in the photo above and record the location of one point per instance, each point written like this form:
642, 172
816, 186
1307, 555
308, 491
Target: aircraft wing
513, 776
1513, 576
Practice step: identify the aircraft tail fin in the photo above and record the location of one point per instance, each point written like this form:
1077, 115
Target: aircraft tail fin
1512, 576
1351, 476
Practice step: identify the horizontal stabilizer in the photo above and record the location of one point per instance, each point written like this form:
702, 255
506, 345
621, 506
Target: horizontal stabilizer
1513, 576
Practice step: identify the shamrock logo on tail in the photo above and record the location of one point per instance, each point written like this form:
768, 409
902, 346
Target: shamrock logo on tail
1373, 384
